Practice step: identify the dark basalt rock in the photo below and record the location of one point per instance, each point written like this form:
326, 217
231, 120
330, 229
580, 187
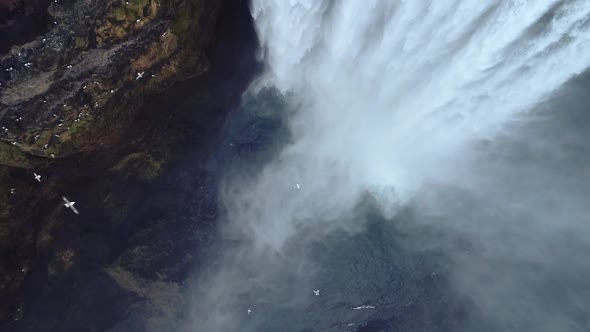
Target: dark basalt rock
21, 21
135, 163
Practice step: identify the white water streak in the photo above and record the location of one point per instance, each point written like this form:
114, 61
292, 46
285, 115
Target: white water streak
394, 91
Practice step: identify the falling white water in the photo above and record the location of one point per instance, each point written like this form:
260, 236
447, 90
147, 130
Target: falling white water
391, 93
390, 98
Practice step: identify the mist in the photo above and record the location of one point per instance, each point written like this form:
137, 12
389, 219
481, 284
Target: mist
461, 125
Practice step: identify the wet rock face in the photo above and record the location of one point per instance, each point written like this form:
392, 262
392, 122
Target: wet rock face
77, 86
137, 165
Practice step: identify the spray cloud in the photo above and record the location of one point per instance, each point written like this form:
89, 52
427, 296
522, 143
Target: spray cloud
446, 108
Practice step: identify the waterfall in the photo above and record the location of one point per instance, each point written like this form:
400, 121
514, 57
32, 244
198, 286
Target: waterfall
418, 105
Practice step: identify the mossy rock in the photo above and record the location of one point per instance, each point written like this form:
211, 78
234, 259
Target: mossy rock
140, 165
13, 156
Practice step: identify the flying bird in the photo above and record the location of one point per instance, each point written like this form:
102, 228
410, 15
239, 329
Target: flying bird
70, 205
363, 307
37, 177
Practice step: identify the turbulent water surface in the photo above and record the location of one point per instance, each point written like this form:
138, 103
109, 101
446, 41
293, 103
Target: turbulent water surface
423, 164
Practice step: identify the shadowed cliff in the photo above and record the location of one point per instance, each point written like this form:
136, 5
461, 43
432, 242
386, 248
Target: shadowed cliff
130, 151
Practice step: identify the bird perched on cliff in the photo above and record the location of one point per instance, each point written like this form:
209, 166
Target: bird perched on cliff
37, 177
70, 205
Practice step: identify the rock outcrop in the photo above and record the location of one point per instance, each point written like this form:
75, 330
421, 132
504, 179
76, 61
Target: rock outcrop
78, 86
117, 105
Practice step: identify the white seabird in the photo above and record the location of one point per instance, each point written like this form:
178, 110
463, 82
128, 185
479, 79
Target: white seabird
70, 205
139, 75
12, 190
37, 177
297, 186
316, 292
28, 64
363, 307
249, 311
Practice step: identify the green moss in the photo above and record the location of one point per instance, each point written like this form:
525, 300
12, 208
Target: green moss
12, 155
182, 23
133, 10
187, 20
139, 165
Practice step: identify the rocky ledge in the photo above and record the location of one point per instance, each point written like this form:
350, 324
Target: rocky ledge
78, 85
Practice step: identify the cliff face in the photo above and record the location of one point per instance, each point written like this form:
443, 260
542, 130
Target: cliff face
78, 86
130, 149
